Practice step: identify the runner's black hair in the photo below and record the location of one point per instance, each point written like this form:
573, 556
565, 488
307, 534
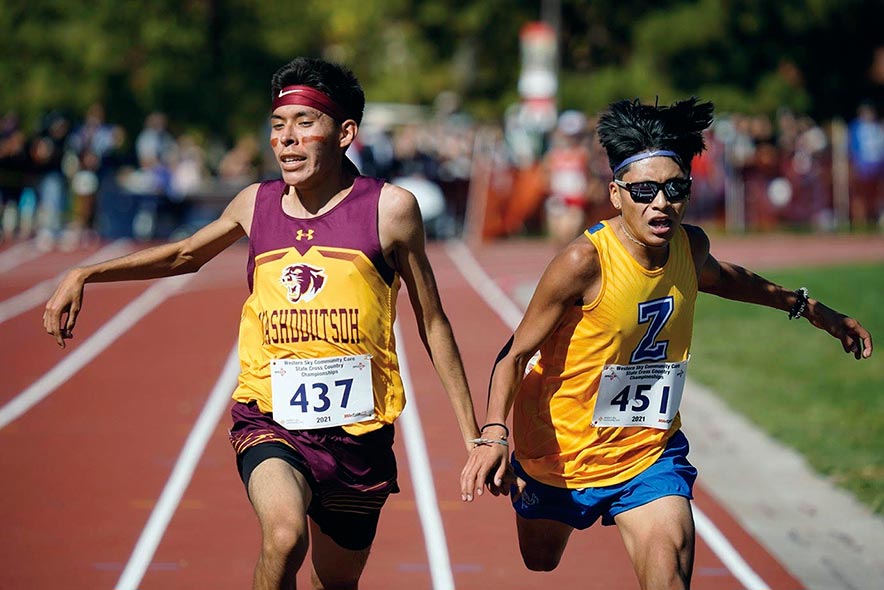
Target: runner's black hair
629, 127
333, 79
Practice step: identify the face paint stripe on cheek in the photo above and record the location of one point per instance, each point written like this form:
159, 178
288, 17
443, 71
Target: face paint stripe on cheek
274, 141
312, 139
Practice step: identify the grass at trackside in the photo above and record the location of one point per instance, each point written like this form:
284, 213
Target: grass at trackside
796, 382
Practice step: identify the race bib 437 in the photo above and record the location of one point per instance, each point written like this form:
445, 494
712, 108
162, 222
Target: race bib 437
321, 392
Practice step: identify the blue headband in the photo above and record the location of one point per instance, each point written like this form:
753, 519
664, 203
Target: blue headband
644, 155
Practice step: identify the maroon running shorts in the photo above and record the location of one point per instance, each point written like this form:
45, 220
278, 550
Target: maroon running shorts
350, 476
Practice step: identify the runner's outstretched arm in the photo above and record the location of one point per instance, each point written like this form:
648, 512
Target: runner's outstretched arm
734, 282
570, 279
401, 226
175, 258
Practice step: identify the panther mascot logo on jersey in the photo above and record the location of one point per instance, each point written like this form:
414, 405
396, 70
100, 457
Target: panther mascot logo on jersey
302, 282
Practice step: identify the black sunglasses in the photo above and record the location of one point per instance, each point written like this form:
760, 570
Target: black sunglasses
676, 190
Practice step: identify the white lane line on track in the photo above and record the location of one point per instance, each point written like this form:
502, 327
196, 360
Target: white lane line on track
418, 462
92, 347
726, 552
484, 285
422, 479
495, 298
181, 475
18, 254
39, 293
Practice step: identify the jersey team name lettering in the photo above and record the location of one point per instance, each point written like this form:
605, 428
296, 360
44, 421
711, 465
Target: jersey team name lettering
284, 326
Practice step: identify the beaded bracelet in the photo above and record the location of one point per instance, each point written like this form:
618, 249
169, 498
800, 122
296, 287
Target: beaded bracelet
800, 305
489, 441
505, 429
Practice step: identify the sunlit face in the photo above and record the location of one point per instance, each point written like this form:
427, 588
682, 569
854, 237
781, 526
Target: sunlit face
307, 143
653, 223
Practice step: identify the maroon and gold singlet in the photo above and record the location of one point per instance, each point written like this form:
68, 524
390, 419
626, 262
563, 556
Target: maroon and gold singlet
320, 288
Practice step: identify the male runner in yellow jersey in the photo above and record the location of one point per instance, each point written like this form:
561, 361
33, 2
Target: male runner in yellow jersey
319, 387
595, 420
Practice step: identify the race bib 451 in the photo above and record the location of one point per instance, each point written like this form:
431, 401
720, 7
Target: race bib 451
645, 395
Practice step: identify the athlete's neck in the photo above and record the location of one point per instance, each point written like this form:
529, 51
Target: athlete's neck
314, 200
648, 255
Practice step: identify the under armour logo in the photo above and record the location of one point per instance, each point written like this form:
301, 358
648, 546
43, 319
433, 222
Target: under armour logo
304, 235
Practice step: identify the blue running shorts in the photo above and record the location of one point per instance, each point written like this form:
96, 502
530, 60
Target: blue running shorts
670, 475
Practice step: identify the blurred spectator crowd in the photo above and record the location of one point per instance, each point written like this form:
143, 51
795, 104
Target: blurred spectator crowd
757, 174
71, 181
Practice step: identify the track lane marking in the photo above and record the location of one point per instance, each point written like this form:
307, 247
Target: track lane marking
182, 473
726, 552
422, 479
91, 348
501, 303
416, 452
418, 462
39, 293
18, 254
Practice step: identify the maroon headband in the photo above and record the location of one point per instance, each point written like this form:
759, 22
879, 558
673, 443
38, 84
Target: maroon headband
310, 97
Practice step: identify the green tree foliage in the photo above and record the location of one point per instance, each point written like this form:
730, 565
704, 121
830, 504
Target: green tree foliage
811, 56
208, 62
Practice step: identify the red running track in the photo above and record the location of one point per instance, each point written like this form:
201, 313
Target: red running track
87, 466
